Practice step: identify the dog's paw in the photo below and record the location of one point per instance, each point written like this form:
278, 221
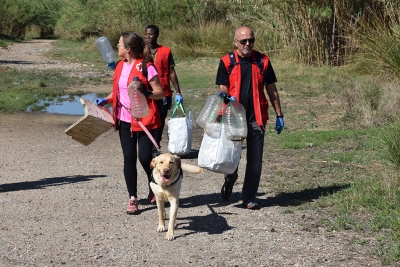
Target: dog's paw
169, 236
161, 228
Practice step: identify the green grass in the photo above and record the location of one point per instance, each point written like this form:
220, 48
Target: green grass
199, 41
388, 139
331, 157
197, 81
6, 40
21, 89
312, 138
78, 51
342, 174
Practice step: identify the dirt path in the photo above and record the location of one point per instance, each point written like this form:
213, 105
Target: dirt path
63, 204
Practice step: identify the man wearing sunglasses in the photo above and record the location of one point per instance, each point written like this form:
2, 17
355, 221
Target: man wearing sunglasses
244, 73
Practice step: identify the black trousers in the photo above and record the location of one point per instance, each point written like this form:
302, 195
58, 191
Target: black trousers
137, 143
255, 149
163, 109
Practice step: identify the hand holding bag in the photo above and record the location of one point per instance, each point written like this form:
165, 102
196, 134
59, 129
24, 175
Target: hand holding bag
180, 133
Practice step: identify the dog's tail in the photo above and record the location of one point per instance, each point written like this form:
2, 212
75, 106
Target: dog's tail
191, 168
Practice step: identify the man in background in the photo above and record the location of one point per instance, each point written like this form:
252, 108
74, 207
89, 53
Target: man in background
164, 63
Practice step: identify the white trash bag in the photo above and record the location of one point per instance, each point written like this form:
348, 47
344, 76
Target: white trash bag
217, 153
180, 133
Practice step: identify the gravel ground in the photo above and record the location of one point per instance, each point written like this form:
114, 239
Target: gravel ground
63, 204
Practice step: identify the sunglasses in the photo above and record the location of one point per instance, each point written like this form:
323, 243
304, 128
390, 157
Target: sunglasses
244, 41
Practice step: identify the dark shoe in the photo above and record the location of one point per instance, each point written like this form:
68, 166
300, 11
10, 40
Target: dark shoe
226, 191
250, 204
151, 198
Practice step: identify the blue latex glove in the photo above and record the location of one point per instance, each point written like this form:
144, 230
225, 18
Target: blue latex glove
225, 96
111, 65
178, 99
279, 125
100, 101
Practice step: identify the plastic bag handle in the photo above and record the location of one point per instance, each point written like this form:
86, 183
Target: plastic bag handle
175, 109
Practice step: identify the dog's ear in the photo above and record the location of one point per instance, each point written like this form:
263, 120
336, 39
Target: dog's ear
178, 161
153, 163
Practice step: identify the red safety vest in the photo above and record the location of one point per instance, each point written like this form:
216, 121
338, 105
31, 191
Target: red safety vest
163, 68
152, 121
259, 99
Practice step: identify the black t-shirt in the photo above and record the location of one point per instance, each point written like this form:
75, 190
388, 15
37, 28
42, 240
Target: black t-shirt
246, 94
171, 61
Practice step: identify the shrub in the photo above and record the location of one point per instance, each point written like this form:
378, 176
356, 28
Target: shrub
208, 39
18, 15
389, 140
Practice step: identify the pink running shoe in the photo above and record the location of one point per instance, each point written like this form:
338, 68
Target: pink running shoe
132, 208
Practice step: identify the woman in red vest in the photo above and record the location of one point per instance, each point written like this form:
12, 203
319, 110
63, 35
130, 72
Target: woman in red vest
135, 142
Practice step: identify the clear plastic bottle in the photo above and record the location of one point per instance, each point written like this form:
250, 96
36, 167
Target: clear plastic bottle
139, 106
210, 111
234, 121
105, 49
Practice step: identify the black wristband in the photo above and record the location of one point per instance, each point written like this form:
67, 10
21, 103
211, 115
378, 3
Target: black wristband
147, 93
281, 116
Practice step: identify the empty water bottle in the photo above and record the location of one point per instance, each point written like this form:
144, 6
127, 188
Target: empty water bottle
139, 106
106, 51
234, 121
210, 111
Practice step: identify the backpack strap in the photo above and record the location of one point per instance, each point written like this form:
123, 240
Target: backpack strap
144, 72
258, 60
144, 68
232, 62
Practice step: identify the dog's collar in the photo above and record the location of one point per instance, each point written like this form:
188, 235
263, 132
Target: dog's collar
179, 177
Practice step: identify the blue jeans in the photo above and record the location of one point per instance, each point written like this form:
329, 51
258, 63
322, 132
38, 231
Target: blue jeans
255, 149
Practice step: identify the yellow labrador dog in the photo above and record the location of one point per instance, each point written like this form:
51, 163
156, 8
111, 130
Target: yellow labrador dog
166, 185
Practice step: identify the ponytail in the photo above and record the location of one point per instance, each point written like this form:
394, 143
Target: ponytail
138, 45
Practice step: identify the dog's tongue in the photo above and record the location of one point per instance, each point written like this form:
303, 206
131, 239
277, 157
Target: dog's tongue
165, 178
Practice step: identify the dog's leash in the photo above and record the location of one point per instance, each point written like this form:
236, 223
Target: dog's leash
144, 129
148, 134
